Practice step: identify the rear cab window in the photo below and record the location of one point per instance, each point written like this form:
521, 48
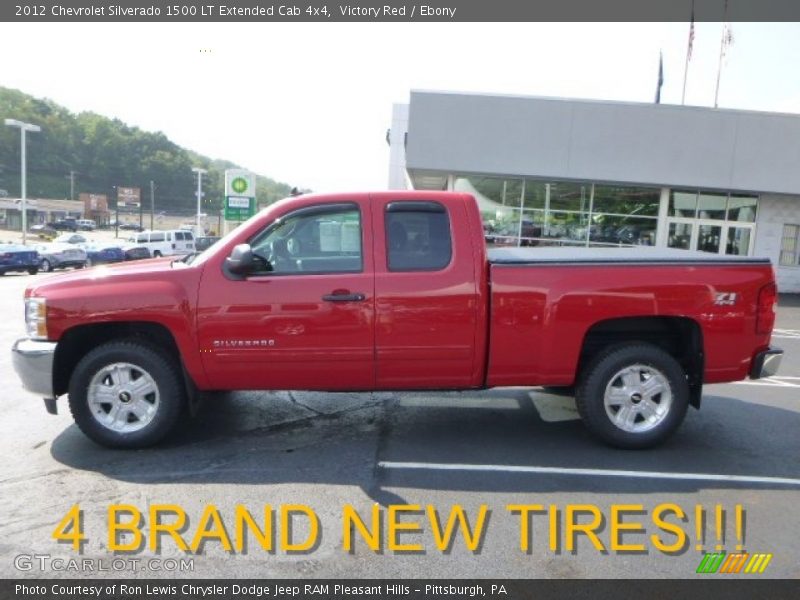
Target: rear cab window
417, 236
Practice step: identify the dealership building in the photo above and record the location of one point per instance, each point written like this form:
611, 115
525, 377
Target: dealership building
550, 171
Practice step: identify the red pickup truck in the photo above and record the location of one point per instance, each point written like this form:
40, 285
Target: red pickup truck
395, 291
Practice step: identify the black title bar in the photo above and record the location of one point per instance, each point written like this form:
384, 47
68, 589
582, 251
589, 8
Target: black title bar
727, 588
397, 10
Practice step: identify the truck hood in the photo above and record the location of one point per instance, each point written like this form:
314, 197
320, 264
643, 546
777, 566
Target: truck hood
155, 268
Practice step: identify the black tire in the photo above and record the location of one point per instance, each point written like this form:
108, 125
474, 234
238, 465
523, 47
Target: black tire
33, 271
162, 369
156, 254
45, 266
602, 373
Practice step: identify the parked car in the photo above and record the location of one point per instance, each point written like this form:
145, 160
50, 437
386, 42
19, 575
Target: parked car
131, 227
57, 255
71, 238
43, 230
64, 225
100, 253
86, 224
16, 257
135, 251
205, 242
396, 291
165, 243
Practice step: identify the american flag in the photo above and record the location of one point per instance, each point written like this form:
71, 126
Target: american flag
727, 37
727, 32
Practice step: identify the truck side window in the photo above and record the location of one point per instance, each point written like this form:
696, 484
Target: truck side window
417, 236
317, 239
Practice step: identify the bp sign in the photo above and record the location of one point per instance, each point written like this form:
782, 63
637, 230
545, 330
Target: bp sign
240, 195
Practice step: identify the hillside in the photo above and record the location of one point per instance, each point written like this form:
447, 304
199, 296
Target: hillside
106, 153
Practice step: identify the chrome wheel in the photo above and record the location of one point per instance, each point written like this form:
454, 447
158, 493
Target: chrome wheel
123, 397
638, 398
45, 266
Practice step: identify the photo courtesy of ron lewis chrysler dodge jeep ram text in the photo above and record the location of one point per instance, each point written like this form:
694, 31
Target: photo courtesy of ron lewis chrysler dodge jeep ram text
395, 291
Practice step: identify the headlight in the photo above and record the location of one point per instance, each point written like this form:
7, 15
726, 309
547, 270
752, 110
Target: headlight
36, 318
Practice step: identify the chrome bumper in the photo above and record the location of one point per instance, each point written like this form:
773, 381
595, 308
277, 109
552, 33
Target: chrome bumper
33, 362
766, 363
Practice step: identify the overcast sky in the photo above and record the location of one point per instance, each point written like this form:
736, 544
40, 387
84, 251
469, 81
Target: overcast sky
309, 104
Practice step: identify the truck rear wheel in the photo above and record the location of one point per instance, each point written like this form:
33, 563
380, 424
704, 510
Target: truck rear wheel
633, 396
126, 394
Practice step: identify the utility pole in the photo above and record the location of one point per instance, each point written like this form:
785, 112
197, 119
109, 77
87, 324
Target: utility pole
71, 178
152, 203
116, 213
200, 173
23, 128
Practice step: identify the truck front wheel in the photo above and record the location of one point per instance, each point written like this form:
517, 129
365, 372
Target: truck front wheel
126, 394
633, 396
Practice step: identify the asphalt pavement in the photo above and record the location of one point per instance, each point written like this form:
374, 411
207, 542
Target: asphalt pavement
495, 448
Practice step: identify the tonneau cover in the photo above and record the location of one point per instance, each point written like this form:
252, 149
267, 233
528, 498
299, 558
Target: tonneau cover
639, 254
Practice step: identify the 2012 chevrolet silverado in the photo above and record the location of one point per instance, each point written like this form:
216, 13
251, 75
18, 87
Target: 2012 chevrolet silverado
395, 291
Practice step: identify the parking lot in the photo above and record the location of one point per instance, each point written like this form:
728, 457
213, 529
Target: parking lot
497, 447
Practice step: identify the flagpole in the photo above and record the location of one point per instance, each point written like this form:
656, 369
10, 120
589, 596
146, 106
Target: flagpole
721, 50
688, 56
719, 66
685, 75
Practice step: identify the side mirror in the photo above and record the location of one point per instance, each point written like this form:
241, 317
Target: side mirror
240, 262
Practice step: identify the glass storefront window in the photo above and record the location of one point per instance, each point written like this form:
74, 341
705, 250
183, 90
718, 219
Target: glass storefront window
491, 190
627, 200
738, 241
680, 235
790, 257
512, 192
566, 225
570, 196
626, 230
711, 206
708, 238
535, 194
682, 203
742, 208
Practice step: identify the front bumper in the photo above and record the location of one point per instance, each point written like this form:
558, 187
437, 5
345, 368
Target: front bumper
766, 363
33, 362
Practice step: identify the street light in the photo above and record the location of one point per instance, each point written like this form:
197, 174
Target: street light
200, 173
23, 129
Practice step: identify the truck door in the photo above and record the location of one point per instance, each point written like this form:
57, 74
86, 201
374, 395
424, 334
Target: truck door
305, 320
425, 293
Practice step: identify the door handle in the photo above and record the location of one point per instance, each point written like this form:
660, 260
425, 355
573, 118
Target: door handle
344, 297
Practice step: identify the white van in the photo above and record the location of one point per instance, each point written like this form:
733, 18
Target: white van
165, 243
